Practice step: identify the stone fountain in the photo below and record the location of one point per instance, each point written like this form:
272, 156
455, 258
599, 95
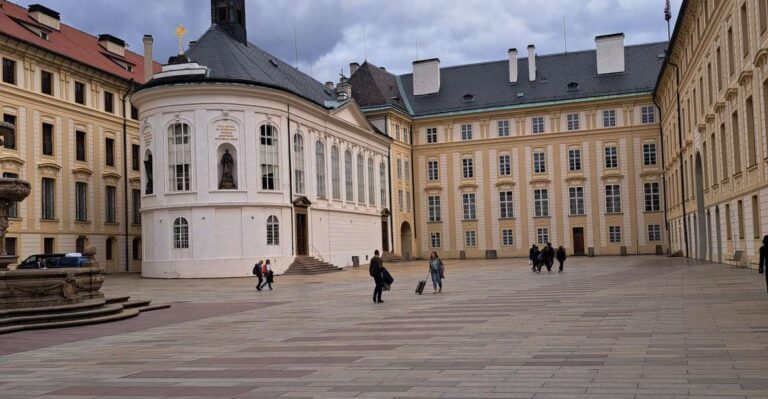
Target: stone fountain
11, 191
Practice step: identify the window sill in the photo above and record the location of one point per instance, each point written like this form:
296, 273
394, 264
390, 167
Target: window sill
135, 224
508, 218
652, 212
111, 224
83, 222
49, 220
724, 181
751, 167
234, 190
614, 213
541, 217
577, 215
469, 220
737, 175
180, 192
435, 222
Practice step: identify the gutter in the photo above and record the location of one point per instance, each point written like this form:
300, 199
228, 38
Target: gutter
125, 174
389, 174
680, 145
663, 176
290, 185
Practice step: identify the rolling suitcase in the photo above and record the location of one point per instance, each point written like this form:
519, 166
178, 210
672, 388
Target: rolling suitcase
420, 286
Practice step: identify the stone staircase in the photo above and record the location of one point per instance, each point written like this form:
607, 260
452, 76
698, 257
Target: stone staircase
391, 257
91, 311
307, 265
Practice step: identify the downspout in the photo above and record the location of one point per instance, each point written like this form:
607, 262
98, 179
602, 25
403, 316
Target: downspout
413, 189
125, 174
290, 184
389, 174
663, 175
680, 144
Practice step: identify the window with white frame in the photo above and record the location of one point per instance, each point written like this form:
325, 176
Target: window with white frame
48, 197
652, 197
435, 240
468, 167
654, 233
335, 173
298, 158
466, 131
573, 121
541, 202
609, 118
431, 135
399, 168
405, 134
537, 124
397, 132
348, 185
614, 234
506, 237
647, 114
270, 158
613, 198
611, 157
506, 209
502, 127
433, 204
574, 159
360, 179
649, 154
273, 230
320, 168
179, 157
383, 184
468, 202
110, 204
407, 167
400, 202
539, 162
180, 233
371, 185
505, 165
81, 201
542, 236
470, 238
407, 201
433, 171
576, 200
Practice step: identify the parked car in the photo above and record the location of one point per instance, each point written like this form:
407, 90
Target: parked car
56, 261
32, 262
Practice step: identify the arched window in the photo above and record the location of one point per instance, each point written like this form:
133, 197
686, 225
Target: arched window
298, 167
348, 176
335, 173
320, 167
360, 179
270, 158
148, 167
180, 233
371, 185
383, 184
179, 157
273, 231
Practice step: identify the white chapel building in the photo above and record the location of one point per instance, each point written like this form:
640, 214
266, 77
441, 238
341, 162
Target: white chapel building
247, 158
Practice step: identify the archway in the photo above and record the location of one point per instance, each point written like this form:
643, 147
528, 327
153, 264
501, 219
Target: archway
701, 227
405, 241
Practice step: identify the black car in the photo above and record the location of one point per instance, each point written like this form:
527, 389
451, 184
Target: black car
55, 261
32, 261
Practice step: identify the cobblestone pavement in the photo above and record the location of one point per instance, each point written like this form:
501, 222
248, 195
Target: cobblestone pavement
634, 327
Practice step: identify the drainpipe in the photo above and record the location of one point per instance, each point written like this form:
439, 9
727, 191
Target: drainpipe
290, 184
663, 176
680, 152
413, 190
389, 174
125, 174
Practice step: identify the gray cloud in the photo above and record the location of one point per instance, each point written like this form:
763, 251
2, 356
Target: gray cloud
330, 33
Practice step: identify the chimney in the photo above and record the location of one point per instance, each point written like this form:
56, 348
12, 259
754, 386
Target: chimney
610, 53
353, 68
230, 16
148, 63
512, 65
426, 76
531, 63
112, 44
329, 85
45, 16
343, 89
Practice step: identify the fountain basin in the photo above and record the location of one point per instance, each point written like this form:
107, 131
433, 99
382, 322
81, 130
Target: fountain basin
14, 190
20, 289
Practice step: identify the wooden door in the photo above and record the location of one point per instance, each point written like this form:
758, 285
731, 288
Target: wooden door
384, 236
301, 234
578, 241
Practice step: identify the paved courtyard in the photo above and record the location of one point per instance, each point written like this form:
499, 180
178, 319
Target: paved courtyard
635, 327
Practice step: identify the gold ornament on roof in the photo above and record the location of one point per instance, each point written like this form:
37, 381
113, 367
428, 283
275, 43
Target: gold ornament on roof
181, 31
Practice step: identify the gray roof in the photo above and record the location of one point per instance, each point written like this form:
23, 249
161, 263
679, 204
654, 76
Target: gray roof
488, 82
229, 60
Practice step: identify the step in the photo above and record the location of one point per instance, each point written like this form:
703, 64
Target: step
150, 308
86, 304
135, 304
124, 314
59, 317
118, 299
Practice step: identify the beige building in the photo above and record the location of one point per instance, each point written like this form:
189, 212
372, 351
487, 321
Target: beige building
713, 92
76, 137
561, 148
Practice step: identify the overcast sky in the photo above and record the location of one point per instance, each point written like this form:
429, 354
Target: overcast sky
330, 33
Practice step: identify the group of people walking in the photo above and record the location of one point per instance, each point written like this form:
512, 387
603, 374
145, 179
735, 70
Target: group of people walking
263, 271
538, 258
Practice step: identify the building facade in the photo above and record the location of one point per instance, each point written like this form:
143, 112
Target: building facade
713, 93
76, 137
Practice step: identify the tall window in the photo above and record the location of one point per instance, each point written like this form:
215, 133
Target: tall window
111, 204
136, 206
407, 201
719, 60
360, 180
298, 168
399, 169
541, 202
335, 173
740, 209
539, 162
468, 167
348, 186
109, 149
435, 240
728, 225
470, 238
537, 124
136, 246
573, 121
270, 158
180, 157
10, 138
713, 157
507, 238
751, 135
736, 142
135, 161
10, 246
652, 197
433, 205
762, 6
731, 53
13, 209
613, 198
574, 159
80, 93
576, 200
383, 184
542, 236
407, 170
502, 127
466, 131
49, 245
80, 146
371, 185
433, 173
710, 94
273, 230
614, 234
431, 135
48, 197
723, 150
647, 114
506, 210
47, 139
400, 201
468, 201
649, 154
46, 83
654, 233
755, 218
397, 131
744, 31
505, 165
180, 233
81, 201
320, 168
611, 157
9, 71
609, 118
109, 102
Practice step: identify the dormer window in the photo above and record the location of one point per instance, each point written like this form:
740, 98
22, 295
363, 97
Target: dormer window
468, 98
573, 86
43, 35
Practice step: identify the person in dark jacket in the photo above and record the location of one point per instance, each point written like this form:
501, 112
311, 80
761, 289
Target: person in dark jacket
549, 256
763, 266
560, 255
437, 271
258, 274
532, 257
536, 258
375, 270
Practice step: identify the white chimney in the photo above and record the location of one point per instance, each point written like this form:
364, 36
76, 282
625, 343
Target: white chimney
531, 62
45, 16
610, 53
512, 65
353, 68
148, 63
426, 76
112, 44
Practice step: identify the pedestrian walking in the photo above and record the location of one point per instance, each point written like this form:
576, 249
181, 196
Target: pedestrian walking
436, 269
534, 254
763, 266
266, 270
560, 255
375, 269
258, 274
549, 256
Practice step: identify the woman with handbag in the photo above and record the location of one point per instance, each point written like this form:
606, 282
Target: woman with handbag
437, 270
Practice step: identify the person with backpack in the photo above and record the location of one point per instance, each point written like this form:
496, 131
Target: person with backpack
437, 270
266, 270
375, 269
549, 256
532, 257
560, 255
257, 272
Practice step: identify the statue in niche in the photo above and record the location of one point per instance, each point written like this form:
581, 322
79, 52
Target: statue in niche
148, 169
227, 178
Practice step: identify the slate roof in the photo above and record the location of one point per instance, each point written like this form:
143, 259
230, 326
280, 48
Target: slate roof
374, 86
488, 82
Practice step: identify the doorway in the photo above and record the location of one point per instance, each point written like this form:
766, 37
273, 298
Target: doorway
405, 241
699, 222
301, 234
384, 236
578, 241
719, 237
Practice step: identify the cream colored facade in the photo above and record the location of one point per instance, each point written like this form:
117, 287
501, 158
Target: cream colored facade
717, 157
